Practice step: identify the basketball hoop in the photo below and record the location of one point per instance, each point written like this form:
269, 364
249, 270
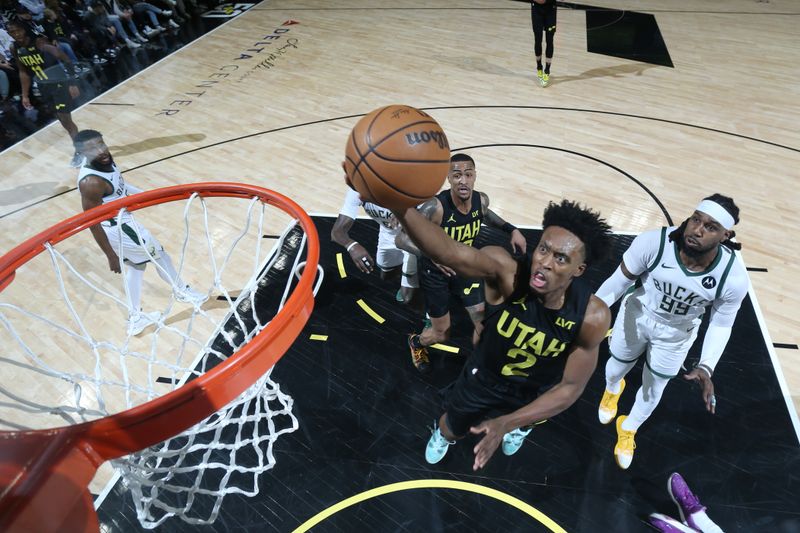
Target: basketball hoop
44, 473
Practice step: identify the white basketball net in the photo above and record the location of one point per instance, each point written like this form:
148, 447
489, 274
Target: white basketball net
68, 356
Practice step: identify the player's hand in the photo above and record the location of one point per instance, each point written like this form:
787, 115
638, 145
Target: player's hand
700, 376
518, 242
74, 92
493, 432
446, 270
113, 263
26, 102
360, 256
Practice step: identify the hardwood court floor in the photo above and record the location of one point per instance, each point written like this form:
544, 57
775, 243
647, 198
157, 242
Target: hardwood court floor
641, 143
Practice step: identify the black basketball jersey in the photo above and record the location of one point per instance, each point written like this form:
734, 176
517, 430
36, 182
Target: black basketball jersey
460, 227
35, 60
523, 341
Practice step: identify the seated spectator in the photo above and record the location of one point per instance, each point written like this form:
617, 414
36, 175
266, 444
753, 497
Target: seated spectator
101, 23
125, 14
34, 7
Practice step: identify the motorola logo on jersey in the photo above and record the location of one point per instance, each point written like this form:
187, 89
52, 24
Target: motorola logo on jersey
427, 136
709, 282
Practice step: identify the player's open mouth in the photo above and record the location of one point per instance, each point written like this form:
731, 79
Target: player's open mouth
691, 242
538, 280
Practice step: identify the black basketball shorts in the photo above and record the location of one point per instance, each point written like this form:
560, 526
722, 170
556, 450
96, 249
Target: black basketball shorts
437, 289
476, 395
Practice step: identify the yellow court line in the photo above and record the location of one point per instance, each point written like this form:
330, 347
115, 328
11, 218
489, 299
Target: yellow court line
445, 347
340, 264
363, 305
433, 484
317, 337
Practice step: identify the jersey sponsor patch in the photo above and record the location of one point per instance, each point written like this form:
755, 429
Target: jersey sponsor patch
709, 282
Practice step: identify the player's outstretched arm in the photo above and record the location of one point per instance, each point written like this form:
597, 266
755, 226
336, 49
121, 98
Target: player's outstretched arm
466, 261
92, 189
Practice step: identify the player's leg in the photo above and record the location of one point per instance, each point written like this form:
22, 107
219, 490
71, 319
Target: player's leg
549, 34
63, 105
388, 257
667, 351
147, 248
435, 286
133, 263
467, 401
439, 330
471, 293
409, 283
134, 275
538, 30
65, 118
627, 343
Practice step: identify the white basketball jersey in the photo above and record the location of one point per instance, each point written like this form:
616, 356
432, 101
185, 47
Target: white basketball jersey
117, 184
670, 292
379, 214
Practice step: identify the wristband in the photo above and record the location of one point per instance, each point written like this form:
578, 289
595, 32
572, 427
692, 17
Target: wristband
508, 228
350, 246
705, 368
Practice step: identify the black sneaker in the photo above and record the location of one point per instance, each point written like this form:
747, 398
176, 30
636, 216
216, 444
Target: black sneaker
419, 356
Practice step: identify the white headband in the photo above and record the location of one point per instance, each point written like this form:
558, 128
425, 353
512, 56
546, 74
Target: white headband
717, 212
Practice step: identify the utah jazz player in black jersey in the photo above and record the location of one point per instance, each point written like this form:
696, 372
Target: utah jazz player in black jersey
460, 211
541, 333
37, 59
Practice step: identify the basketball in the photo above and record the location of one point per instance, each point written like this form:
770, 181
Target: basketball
397, 157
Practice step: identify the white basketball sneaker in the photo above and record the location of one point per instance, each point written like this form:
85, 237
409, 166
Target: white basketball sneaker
190, 296
138, 321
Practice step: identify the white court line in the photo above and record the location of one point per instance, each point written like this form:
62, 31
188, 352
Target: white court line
776, 365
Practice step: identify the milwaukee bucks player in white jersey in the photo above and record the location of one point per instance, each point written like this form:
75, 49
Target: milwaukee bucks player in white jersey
679, 273
389, 256
121, 237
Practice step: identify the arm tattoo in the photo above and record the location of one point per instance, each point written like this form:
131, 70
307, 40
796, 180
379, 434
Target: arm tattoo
493, 219
430, 208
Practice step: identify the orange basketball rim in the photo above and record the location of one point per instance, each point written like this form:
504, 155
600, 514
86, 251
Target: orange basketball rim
44, 474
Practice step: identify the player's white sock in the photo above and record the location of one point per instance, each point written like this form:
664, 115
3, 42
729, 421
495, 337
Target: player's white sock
701, 521
615, 371
167, 271
133, 279
647, 398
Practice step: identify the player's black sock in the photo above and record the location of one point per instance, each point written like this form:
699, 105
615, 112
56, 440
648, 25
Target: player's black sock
547, 69
538, 65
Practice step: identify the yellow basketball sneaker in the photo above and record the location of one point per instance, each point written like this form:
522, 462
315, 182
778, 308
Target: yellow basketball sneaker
545, 79
623, 451
539, 74
608, 405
